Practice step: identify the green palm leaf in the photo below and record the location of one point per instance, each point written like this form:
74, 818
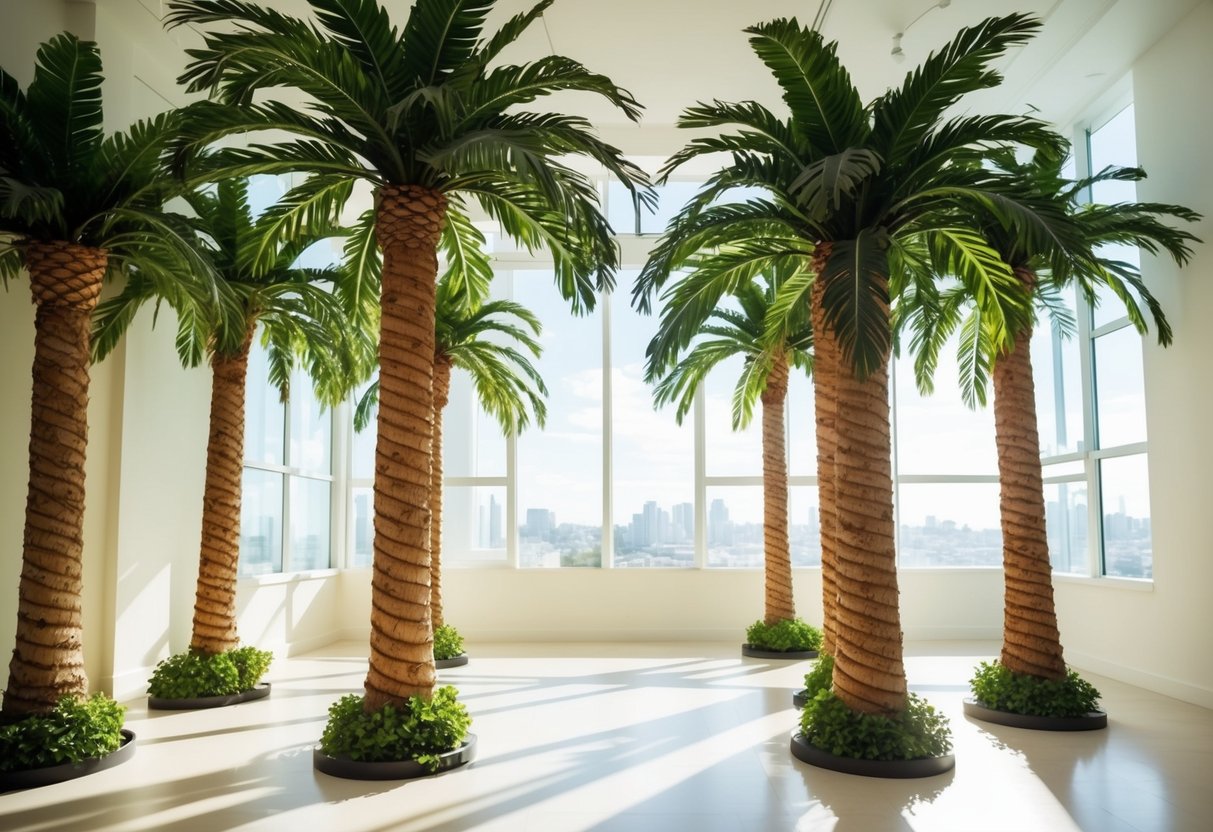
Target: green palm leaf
64, 103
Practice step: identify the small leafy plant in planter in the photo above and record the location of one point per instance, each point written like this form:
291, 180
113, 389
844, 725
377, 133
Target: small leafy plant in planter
420, 730
995, 686
919, 732
789, 635
76, 730
194, 675
448, 644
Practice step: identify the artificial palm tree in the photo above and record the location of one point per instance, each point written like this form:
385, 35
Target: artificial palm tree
846, 186
303, 317
766, 370
76, 207
507, 385
420, 114
1043, 265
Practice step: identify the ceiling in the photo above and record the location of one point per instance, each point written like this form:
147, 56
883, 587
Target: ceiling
671, 53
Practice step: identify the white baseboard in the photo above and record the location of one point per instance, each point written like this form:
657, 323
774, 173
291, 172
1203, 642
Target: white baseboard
1165, 685
651, 634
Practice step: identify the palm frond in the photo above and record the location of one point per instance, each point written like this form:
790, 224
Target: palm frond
363, 27
856, 299
817, 89
64, 103
441, 35
468, 271
312, 209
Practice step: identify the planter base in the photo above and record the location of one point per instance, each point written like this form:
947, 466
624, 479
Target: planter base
899, 769
1091, 721
157, 703
786, 655
392, 769
799, 698
455, 661
49, 775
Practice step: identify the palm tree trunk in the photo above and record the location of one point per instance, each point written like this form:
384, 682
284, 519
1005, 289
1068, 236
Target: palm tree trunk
825, 394
48, 660
869, 675
214, 629
1031, 642
777, 556
408, 223
442, 395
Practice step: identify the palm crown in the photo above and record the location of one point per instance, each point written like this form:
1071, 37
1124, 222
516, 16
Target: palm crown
418, 106
850, 184
508, 385
63, 179
1068, 254
724, 334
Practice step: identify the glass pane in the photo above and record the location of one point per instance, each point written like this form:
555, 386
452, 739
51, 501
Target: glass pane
654, 456
1125, 500
264, 413
730, 453
311, 509
804, 526
362, 447
560, 467
311, 429
260, 522
1120, 402
670, 199
938, 434
949, 525
362, 553
1057, 375
621, 213
1115, 143
473, 524
1066, 519
735, 526
801, 427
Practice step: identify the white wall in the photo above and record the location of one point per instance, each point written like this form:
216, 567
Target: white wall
494, 604
1162, 638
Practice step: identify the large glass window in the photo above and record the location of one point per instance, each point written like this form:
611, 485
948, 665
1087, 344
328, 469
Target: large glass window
1091, 401
286, 507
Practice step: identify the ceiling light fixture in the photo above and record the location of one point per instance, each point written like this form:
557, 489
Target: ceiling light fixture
897, 52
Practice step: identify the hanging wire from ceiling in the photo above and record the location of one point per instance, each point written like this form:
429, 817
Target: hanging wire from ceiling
898, 54
544, 20
819, 20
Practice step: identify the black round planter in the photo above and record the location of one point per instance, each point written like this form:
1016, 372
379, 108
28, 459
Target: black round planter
392, 769
800, 697
1091, 721
157, 703
787, 655
49, 775
899, 769
455, 661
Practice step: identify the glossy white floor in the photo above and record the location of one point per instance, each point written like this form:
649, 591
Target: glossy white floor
637, 738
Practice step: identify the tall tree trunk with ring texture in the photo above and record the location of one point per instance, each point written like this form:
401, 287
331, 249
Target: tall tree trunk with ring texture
1031, 641
442, 395
214, 628
777, 557
826, 363
48, 660
869, 674
408, 225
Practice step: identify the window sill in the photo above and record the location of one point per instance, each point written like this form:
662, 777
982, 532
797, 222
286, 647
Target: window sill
275, 578
1107, 582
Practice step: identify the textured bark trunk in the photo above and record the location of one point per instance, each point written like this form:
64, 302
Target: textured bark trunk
1031, 642
777, 556
407, 225
442, 395
48, 660
825, 400
869, 675
214, 629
